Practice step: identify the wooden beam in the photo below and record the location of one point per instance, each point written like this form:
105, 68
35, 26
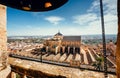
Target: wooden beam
118, 41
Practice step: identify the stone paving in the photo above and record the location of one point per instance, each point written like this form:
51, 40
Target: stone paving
57, 70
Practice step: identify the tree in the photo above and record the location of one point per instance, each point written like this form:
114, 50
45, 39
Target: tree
118, 41
99, 63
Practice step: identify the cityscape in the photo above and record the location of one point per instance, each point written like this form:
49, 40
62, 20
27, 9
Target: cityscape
70, 51
59, 39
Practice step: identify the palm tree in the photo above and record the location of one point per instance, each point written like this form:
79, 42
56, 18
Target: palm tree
118, 41
99, 63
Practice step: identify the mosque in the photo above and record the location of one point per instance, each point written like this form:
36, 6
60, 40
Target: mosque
63, 44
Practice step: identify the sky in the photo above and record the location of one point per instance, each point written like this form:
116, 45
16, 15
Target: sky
76, 17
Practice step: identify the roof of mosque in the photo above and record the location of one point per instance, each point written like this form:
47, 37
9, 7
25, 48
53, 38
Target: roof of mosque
72, 38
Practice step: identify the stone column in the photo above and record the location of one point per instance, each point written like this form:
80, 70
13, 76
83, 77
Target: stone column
68, 50
13, 75
56, 50
3, 35
74, 50
46, 48
3, 44
24, 76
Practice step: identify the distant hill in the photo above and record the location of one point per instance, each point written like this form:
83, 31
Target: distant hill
112, 36
28, 37
84, 37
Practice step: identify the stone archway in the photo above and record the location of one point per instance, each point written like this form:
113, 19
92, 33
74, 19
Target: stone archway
61, 50
71, 50
77, 50
66, 50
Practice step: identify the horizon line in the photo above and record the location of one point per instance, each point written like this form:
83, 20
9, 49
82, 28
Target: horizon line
63, 35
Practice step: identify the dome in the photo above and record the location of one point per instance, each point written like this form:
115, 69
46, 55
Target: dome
58, 34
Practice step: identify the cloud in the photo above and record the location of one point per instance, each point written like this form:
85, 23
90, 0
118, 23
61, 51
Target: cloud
37, 14
110, 18
85, 18
28, 26
54, 19
95, 6
92, 19
87, 23
109, 6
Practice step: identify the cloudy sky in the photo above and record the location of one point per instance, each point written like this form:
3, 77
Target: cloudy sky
76, 17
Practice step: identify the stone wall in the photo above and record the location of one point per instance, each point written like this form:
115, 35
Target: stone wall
43, 70
4, 67
4, 73
3, 37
